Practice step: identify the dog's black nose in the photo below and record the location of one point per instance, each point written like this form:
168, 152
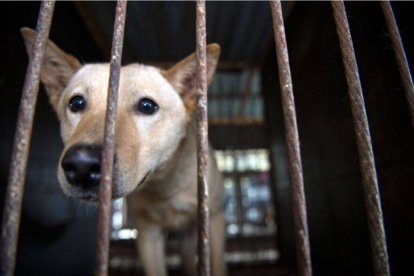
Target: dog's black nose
82, 165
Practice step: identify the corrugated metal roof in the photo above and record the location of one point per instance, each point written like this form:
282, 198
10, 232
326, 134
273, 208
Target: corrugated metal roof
235, 95
159, 32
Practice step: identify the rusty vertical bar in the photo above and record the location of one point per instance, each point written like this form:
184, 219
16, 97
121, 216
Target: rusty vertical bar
202, 142
363, 139
105, 189
292, 139
21, 147
400, 55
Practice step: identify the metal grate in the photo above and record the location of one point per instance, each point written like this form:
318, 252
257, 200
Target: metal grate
363, 139
105, 186
292, 138
17, 175
202, 142
11, 215
400, 55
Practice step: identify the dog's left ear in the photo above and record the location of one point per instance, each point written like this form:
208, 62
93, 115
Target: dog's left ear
182, 76
57, 67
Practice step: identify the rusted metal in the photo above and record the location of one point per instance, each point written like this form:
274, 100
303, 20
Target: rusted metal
105, 193
21, 147
400, 55
202, 142
363, 138
292, 139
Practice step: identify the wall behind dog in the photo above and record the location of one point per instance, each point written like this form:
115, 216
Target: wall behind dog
57, 235
339, 236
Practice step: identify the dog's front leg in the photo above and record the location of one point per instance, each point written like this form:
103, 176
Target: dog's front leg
189, 251
151, 250
217, 243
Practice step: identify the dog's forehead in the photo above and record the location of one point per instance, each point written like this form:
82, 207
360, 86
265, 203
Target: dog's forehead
137, 79
143, 78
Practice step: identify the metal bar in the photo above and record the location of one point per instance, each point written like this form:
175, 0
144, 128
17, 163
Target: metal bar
400, 55
292, 139
363, 138
21, 147
202, 142
105, 193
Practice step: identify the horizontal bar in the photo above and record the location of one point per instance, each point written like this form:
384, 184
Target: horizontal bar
363, 139
105, 189
202, 142
292, 140
239, 121
21, 147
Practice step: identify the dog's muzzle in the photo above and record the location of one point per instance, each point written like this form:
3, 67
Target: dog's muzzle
82, 165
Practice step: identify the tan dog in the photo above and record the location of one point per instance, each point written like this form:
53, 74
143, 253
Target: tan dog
155, 147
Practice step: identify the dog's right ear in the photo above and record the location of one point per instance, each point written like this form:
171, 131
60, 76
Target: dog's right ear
57, 68
182, 75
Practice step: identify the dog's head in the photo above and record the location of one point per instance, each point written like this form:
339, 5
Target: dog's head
154, 108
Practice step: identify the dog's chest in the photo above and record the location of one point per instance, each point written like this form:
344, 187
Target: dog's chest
172, 214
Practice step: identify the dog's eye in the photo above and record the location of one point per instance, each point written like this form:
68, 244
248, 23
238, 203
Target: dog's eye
77, 103
147, 106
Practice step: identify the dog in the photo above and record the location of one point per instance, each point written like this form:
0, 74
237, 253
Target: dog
155, 147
